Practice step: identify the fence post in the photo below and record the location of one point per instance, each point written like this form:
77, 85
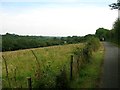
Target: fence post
29, 83
71, 68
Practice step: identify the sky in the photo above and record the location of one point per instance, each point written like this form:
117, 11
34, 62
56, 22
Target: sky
55, 17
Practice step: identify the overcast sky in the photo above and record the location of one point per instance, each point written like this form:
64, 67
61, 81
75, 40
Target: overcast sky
55, 17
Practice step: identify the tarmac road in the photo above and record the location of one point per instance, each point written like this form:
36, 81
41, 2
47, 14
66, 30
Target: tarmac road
110, 77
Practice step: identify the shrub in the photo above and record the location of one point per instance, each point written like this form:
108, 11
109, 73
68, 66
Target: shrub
62, 80
92, 44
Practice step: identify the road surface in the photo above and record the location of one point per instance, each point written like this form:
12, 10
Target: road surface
110, 76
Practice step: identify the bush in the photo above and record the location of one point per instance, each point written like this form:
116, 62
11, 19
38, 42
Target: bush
87, 53
92, 44
62, 80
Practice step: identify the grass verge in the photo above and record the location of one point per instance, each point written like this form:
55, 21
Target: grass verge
90, 74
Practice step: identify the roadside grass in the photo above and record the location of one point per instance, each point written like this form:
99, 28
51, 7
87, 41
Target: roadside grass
90, 74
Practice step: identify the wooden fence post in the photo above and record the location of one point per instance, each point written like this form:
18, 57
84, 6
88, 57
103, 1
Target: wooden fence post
29, 83
71, 68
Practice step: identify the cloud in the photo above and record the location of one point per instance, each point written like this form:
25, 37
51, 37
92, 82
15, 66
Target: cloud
58, 21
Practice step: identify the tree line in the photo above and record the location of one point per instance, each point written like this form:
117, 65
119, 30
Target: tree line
11, 42
112, 35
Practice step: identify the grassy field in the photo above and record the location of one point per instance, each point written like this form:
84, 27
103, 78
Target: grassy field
41, 64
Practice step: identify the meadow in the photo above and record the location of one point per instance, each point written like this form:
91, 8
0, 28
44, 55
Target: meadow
43, 65
61, 66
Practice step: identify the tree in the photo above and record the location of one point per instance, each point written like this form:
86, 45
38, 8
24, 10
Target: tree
102, 33
115, 5
116, 28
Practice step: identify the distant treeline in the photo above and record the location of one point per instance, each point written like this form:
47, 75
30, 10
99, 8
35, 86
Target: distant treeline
112, 35
11, 42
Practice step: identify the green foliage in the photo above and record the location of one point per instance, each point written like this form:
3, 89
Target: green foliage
62, 80
102, 33
116, 28
92, 45
13, 42
88, 36
112, 35
90, 73
84, 55
78, 51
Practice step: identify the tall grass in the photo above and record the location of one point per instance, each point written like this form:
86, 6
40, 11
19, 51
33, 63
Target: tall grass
41, 64
48, 67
